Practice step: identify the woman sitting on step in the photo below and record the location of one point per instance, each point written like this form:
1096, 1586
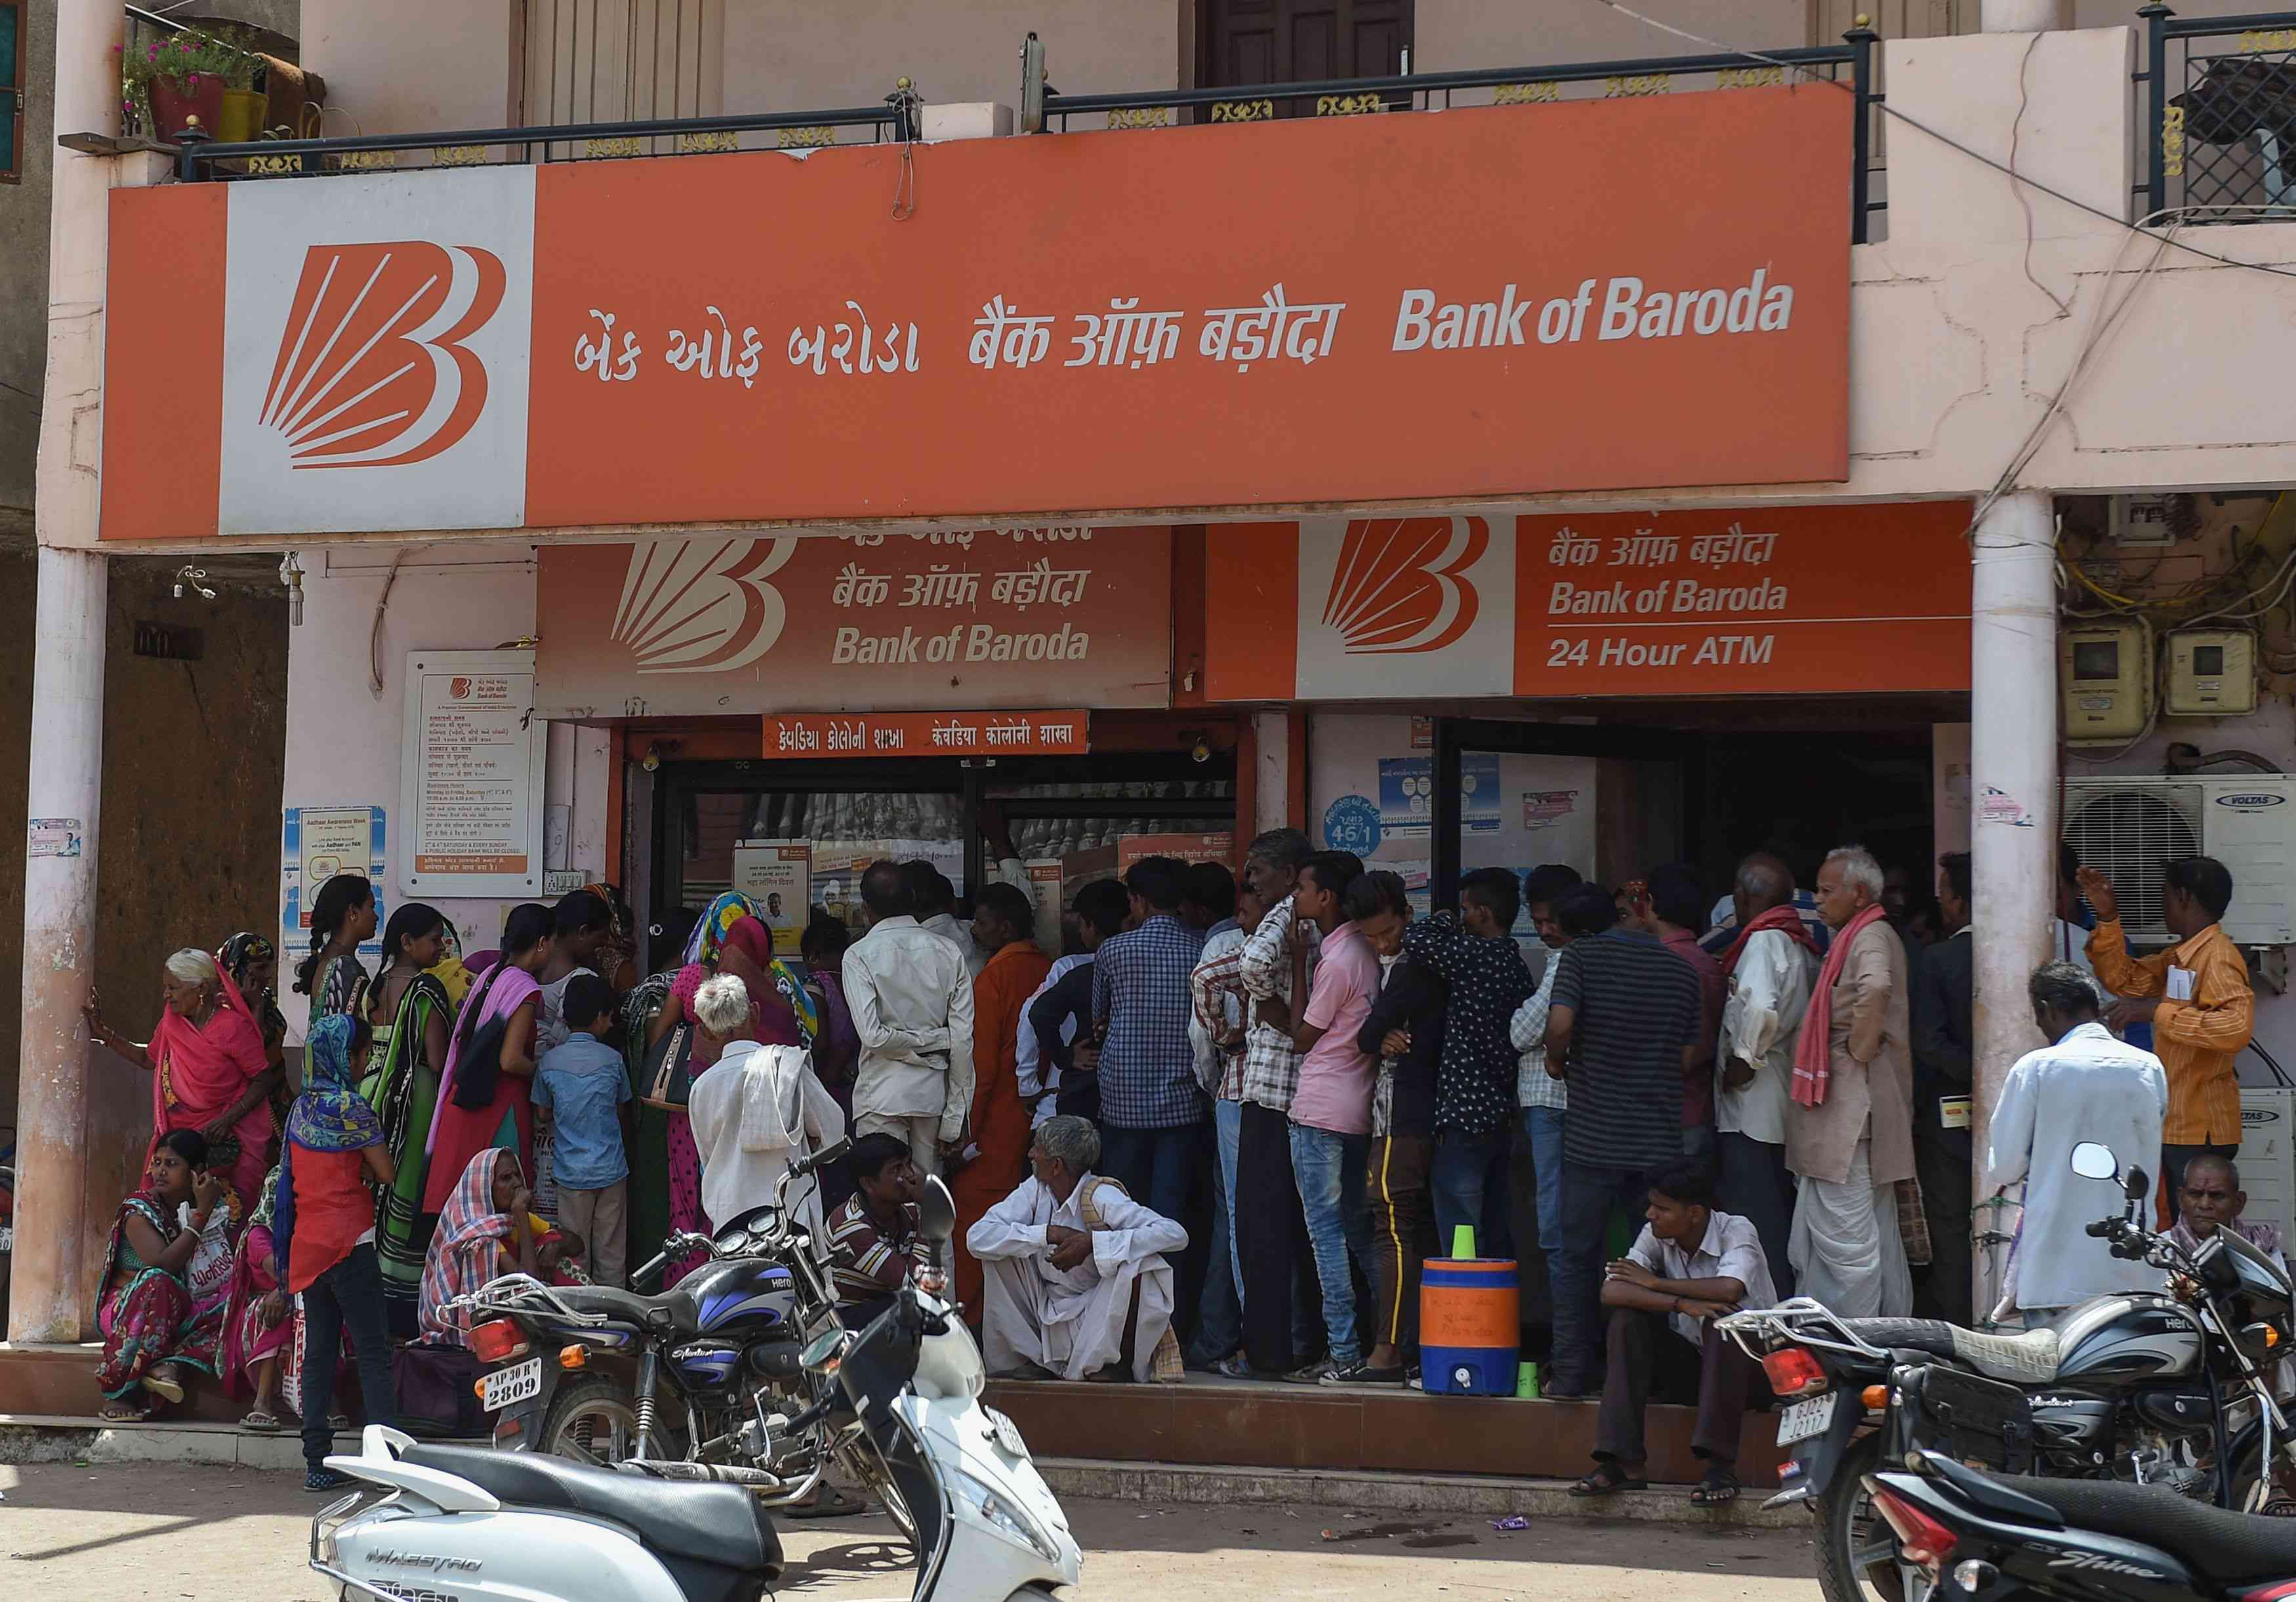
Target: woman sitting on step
154, 1332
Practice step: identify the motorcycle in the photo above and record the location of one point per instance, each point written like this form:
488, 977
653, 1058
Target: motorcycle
2172, 1389
1962, 1533
473, 1525
703, 1382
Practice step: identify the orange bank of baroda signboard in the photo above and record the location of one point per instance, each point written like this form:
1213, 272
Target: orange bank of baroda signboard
1599, 295
727, 624
1810, 600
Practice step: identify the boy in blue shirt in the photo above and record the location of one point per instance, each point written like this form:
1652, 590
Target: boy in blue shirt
584, 1087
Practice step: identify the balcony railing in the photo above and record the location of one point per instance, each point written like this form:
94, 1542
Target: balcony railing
2219, 103
1849, 64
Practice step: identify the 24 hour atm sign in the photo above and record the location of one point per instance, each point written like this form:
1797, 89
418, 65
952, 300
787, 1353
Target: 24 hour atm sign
1802, 600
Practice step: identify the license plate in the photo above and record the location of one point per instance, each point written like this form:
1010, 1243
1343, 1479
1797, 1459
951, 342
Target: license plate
1805, 1419
521, 1382
1005, 1434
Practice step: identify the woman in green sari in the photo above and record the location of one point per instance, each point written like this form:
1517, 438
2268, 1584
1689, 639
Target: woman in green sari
412, 1020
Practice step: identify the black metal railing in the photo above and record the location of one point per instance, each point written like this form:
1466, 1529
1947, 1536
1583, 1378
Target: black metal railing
1850, 64
198, 159
2219, 106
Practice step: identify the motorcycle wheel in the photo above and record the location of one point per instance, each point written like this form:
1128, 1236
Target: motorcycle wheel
596, 1421
1856, 1550
868, 1465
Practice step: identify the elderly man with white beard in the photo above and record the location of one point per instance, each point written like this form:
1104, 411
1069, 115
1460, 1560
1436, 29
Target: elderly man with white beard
1076, 1284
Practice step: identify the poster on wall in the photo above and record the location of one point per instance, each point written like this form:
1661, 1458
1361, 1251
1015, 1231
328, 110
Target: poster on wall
1407, 793
777, 875
316, 843
471, 774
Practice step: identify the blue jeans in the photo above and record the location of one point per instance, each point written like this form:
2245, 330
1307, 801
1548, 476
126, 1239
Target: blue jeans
1543, 1128
1329, 1169
1219, 1317
1156, 1167
1470, 1182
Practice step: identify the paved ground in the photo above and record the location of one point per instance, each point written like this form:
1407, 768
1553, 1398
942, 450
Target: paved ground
207, 1534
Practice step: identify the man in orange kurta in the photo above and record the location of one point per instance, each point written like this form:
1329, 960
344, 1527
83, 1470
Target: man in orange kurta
2197, 998
996, 1133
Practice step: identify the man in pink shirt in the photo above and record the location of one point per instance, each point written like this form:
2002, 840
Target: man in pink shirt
1331, 1112
1672, 906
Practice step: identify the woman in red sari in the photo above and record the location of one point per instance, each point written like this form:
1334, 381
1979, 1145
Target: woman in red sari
210, 1069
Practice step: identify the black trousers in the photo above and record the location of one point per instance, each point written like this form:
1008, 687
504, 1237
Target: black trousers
347, 1296
1649, 1360
1944, 1178
1271, 1235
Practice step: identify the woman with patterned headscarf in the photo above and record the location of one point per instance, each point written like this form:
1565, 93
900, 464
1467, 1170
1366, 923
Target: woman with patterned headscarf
252, 963
324, 1213
732, 937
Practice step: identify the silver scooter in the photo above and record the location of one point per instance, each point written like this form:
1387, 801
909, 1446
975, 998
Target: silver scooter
468, 1525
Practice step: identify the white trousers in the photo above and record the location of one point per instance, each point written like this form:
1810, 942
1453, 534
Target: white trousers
1024, 1316
1845, 1249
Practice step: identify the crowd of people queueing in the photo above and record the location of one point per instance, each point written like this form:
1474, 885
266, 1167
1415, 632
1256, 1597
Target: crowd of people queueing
1299, 1077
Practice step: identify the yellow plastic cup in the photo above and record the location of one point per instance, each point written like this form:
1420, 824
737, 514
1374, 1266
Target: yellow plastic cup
1463, 1240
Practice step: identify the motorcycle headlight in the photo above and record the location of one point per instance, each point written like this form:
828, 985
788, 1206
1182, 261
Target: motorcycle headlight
992, 1505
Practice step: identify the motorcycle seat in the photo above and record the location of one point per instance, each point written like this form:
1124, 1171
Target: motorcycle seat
719, 1526
2030, 1359
630, 1307
2225, 1546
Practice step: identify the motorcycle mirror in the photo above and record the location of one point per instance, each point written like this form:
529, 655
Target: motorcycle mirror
936, 1210
2092, 1161
2140, 1187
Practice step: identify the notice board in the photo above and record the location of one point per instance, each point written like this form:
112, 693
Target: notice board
471, 773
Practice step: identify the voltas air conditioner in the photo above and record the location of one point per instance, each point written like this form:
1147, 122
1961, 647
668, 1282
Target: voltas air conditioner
2130, 827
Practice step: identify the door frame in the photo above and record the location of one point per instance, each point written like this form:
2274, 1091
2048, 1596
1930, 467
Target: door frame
1454, 736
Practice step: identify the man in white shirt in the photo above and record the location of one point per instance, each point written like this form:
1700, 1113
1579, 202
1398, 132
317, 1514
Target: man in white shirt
1689, 1266
1772, 967
2084, 1085
1076, 1279
912, 1004
1544, 1101
759, 1109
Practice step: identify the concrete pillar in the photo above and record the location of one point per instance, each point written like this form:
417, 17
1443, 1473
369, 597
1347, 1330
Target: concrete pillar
52, 1266
2013, 793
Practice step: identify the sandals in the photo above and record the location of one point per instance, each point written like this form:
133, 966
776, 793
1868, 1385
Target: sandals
263, 1421
1719, 1489
163, 1382
123, 1412
1607, 1479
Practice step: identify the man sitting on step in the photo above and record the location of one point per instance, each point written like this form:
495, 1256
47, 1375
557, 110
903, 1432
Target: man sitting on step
1076, 1284
1690, 1266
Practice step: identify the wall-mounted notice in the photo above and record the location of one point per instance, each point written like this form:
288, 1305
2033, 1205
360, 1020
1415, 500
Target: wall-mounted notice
472, 771
316, 843
777, 875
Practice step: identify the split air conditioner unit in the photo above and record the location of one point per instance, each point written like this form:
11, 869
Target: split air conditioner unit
2130, 827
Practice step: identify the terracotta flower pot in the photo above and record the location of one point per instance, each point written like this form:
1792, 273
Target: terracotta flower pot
173, 104
241, 118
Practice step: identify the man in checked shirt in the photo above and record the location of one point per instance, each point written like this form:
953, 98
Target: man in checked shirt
1271, 1230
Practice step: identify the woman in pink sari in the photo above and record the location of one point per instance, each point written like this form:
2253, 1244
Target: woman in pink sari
210, 1069
473, 1115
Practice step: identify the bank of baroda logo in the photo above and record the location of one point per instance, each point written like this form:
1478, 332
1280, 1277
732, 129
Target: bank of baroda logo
1394, 606
373, 370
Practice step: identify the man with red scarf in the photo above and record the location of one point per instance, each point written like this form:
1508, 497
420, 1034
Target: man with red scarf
1849, 1131
1772, 964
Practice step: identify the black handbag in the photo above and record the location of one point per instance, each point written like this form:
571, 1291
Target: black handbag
669, 1068
478, 1066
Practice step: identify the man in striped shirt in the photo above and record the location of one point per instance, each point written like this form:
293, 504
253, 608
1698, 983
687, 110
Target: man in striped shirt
873, 1243
1622, 1025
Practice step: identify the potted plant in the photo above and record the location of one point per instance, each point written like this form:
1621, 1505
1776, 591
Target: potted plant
169, 81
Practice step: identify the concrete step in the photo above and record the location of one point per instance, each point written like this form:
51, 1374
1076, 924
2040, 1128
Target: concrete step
57, 1439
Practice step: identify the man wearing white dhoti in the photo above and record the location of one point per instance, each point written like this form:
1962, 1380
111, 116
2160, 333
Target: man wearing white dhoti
1076, 1284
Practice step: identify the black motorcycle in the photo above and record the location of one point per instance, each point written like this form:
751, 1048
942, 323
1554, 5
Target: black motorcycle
1964, 1533
2170, 1389
703, 1382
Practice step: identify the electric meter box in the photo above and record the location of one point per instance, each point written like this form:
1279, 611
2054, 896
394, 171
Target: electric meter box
2105, 671
2212, 673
